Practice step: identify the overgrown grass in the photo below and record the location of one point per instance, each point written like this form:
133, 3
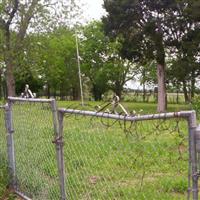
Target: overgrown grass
4, 177
109, 164
138, 107
101, 162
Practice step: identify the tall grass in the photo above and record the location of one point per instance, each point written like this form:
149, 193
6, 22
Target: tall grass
101, 162
143, 163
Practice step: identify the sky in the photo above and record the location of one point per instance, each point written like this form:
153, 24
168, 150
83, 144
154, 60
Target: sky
93, 9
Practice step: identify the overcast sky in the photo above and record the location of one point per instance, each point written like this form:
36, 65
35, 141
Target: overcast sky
93, 9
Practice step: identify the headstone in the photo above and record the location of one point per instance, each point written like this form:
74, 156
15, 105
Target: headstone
27, 93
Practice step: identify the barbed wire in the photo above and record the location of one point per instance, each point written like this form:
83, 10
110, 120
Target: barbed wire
157, 126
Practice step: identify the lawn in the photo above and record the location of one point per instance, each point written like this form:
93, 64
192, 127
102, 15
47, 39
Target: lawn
104, 159
145, 107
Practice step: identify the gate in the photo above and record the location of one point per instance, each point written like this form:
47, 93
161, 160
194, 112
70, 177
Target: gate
149, 159
32, 129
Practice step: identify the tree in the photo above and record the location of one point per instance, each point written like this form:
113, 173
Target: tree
51, 61
119, 70
93, 47
16, 17
183, 43
9, 13
60, 66
102, 63
145, 27
147, 72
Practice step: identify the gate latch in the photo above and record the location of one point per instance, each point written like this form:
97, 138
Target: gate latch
58, 140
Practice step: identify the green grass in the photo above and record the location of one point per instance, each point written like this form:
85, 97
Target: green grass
116, 161
171, 97
130, 106
4, 177
107, 164
147, 161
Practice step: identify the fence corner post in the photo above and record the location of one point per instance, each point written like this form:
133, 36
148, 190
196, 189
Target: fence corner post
10, 146
192, 123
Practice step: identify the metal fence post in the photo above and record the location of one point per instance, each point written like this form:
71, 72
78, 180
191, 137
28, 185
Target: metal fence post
192, 124
58, 117
10, 145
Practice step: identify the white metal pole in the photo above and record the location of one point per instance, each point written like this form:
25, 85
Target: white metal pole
79, 70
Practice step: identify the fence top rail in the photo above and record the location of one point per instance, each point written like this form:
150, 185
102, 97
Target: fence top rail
14, 99
181, 114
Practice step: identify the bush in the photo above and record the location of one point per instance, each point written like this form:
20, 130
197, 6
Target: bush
196, 105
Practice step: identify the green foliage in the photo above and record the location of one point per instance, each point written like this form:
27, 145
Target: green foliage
59, 60
93, 50
196, 105
17, 18
158, 30
140, 29
49, 59
102, 63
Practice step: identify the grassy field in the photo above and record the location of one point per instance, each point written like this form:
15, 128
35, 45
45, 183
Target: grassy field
145, 107
147, 161
139, 164
138, 97
104, 159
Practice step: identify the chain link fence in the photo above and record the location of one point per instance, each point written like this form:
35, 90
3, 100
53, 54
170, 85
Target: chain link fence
111, 156
34, 165
4, 175
109, 153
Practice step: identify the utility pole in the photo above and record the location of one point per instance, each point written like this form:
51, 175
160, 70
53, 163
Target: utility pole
79, 70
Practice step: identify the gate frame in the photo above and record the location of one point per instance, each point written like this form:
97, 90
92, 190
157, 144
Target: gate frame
189, 116
11, 147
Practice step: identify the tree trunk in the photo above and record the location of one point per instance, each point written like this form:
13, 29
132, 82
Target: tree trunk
144, 84
48, 91
75, 94
97, 94
62, 91
144, 92
118, 89
177, 96
10, 80
185, 92
193, 84
61, 94
162, 103
54, 93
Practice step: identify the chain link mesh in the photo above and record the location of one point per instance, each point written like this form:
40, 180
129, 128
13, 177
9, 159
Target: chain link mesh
104, 158
36, 168
4, 176
112, 159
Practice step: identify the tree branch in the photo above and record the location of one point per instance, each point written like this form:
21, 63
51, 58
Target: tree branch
26, 20
12, 14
